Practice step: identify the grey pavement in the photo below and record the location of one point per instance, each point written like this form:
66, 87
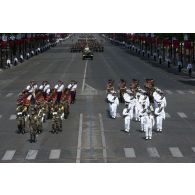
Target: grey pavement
89, 135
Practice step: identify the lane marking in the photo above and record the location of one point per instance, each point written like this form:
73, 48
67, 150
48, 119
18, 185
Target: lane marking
31, 155
55, 154
193, 149
153, 152
78, 158
175, 152
167, 115
182, 115
180, 92
12, 117
9, 154
9, 95
192, 92
84, 77
129, 153
169, 92
0, 116
103, 138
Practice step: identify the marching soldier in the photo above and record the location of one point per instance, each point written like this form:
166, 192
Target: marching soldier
72, 87
127, 114
143, 119
33, 125
59, 87
160, 115
122, 88
149, 125
109, 86
113, 103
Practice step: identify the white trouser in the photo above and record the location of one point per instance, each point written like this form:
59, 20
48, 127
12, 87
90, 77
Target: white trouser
127, 123
142, 123
148, 131
159, 122
114, 108
136, 112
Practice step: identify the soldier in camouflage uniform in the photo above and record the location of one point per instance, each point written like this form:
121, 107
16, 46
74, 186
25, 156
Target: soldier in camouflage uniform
33, 125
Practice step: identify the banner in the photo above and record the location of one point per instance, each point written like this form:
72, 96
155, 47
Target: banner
187, 44
175, 44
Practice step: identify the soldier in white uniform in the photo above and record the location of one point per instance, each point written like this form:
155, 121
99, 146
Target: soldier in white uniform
160, 115
127, 114
45, 88
149, 125
32, 87
113, 103
137, 106
72, 87
142, 115
59, 87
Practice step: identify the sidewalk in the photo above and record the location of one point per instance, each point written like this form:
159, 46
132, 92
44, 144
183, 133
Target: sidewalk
137, 52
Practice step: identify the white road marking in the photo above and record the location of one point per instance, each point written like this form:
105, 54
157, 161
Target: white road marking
175, 152
180, 92
169, 92
84, 77
9, 154
193, 149
182, 115
103, 138
0, 116
31, 155
167, 115
129, 153
192, 92
12, 117
78, 158
9, 95
55, 154
153, 152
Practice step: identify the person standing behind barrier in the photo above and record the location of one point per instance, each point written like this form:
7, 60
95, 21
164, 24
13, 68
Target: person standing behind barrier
189, 68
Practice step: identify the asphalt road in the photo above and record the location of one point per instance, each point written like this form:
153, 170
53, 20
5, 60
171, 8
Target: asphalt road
89, 135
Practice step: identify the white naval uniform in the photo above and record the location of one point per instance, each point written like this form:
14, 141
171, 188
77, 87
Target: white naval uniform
143, 119
72, 87
113, 103
31, 88
59, 88
128, 114
149, 125
160, 115
137, 107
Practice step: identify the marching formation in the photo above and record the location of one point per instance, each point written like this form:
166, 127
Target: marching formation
146, 106
36, 104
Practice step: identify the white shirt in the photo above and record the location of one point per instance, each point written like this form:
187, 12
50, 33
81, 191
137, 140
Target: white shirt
72, 87
127, 112
16, 59
59, 88
31, 88
8, 61
189, 66
160, 113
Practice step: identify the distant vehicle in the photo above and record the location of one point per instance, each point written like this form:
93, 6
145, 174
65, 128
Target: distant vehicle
87, 54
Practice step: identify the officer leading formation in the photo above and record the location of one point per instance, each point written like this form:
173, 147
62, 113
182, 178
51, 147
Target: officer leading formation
146, 106
36, 104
